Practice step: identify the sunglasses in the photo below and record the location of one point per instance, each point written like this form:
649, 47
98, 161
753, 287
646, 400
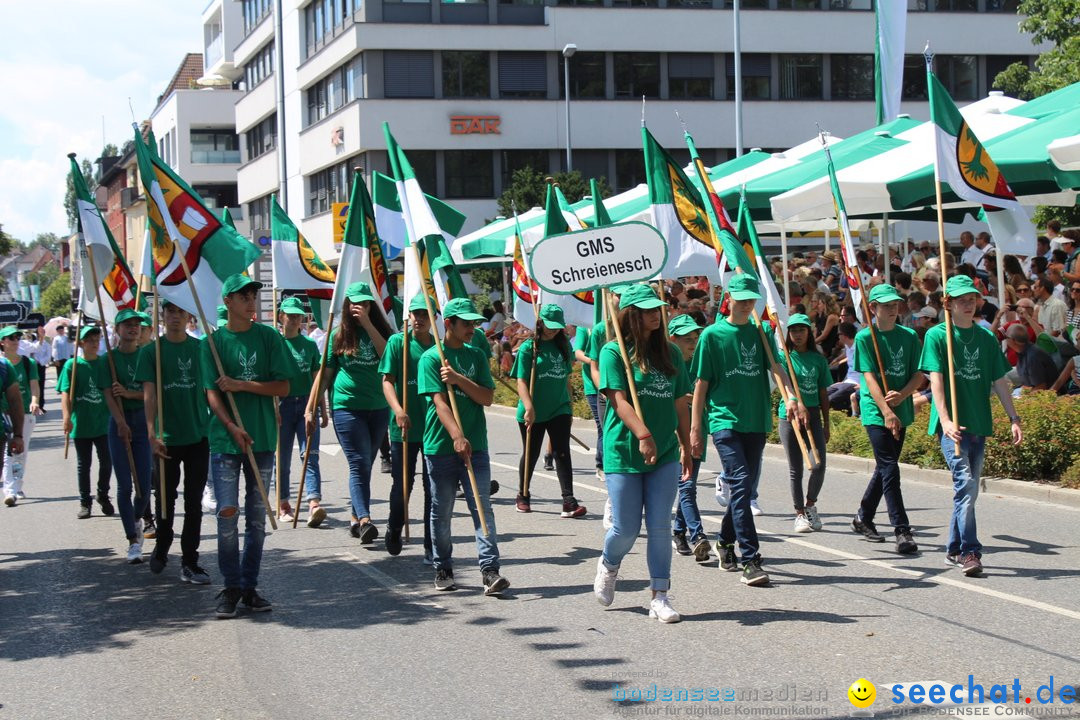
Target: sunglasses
1023, 290
1075, 289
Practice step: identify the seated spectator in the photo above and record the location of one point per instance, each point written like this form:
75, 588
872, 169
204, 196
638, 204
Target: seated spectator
925, 319
840, 392
902, 283
1068, 381
916, 301
931, 283
847, 314
1034, 368
830, 271
506, 359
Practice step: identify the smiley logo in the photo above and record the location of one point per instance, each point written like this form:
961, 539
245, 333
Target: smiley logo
862, 693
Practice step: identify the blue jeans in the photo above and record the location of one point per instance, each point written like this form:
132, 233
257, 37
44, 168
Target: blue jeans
687, 516
140, 451
966, 470
397, 501
740, 454
445, 474
885, 482
292, 426
655, 492
360, 433
597, 405
225, 470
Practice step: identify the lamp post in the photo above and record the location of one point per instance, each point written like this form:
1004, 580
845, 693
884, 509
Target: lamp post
567, 53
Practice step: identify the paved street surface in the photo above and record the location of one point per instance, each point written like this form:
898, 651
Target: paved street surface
357, 633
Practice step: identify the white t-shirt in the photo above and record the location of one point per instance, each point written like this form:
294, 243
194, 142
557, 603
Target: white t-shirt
972, 256
853, 376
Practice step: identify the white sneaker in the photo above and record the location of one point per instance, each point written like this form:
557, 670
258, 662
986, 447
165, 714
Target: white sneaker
609, 514
723, 493
813, 516
755, 508
802, 524
209, 502
660, 608
21, 495
604, 584
134, 553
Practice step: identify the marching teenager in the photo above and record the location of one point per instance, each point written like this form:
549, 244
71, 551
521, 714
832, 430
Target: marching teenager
23, 373
359, 408
643, 459
127, 428
545, 409
592, 398
257, 367
86, 418
601, 334
448, 444
887, 415
812, 370
407, 424
979, 367
183, 443
684, 333
294, 420
732, 369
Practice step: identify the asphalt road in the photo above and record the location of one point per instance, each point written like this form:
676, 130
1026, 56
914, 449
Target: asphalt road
358, 633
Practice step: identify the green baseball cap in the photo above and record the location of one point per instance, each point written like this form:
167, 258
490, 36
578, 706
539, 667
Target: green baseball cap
8, 331
89, 330
147, 321
238, 282
744, 287
884, 294
619, 289
419, 303
292, 306
639, 296
462, 308
960, 285
359, 291
682, 325
552, 316
799, 319
222, 315
125, 315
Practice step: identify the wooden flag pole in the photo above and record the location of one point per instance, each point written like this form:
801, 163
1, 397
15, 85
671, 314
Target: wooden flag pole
405, 409
873, 330
783, 388
532, 381
163, 497
798, 396
74, 369
625, 357
942, 251
512, 389
312, 403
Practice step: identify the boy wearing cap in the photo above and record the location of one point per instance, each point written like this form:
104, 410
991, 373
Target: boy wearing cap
685, 333
407, 425
448, 444
979, 367
295, 422
86, 417
257, 367
19, 396
185, 419
886, 416
732, 369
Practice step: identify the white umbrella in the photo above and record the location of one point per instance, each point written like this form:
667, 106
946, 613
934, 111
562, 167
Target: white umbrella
50, 327
1065, 152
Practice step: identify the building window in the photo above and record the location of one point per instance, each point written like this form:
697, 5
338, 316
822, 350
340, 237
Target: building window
756, 76
914, 83
262, 138
588, 75
690, 76
956, 5
1003, 6
629, 169
581, 3
851, 4
423, 165
522, 75
329, 186
800, 77
468, 174
260, 67
959, 74
466, 74
324, 19
996, 64
254, 13
590, 163
852, 77
214, 146
217, 196
258, 214
514, 160
637, 74
408, 74
798, 4
333, 92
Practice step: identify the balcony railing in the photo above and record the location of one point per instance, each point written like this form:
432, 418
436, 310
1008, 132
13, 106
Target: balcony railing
216, 157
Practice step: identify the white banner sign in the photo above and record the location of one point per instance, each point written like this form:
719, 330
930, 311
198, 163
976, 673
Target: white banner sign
597, 257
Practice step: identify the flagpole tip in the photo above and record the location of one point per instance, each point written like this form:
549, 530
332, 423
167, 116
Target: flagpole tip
550, 180
71, 155
358, 168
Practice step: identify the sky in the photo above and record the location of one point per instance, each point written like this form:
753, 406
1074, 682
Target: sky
65, 65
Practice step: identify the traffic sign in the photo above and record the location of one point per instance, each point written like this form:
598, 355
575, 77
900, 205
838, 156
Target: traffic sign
13, 312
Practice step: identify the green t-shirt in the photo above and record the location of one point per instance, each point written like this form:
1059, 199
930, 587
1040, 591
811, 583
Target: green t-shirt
357, 384
480, 342
900, 350
306, 354
813, 371
732, 359
657, 394
551, 394
184, 411
89, 413
258, 354
979, 363
21, 373
581, 342
391, 365
470, 362
127, 364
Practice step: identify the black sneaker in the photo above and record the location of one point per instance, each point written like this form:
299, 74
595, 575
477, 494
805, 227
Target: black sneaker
253, 601
194, 574
107, 508
700, 545
157, 563
752, 573
367, 533
494, 583
393, 542
866, 529
386, 467
549, 462
728, 562
905, 544
678, 541
149, 529
354, 529
84, 512
444, 580
494, 487
227, 600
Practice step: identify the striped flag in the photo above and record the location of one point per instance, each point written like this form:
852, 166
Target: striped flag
857, 279
890, 27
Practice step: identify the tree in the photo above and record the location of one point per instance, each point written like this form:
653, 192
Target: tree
6, 242
70, 207
528, 189
44, 277
56, 299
